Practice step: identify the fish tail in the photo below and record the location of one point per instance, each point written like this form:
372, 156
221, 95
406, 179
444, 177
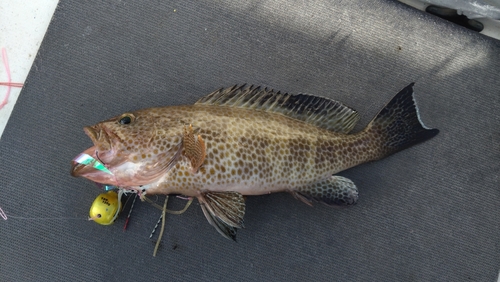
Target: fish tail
398, 125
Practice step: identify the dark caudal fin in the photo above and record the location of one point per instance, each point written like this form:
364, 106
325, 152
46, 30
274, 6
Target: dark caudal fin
398, 125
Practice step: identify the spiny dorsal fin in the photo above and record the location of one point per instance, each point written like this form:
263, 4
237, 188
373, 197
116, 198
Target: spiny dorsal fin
319, 111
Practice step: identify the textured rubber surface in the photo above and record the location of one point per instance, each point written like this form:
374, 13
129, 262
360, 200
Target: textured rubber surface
428, 213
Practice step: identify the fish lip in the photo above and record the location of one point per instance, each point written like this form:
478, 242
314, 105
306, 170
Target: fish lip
92, 134
103, 150
77, 169
102, 145
89, 171
99, 136
102, 137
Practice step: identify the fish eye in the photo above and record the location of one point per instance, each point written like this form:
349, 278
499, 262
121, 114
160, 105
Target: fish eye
126, 119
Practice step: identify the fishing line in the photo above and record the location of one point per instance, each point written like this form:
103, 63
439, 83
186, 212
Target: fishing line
42, 218
2, 214
82, 159
88, 160
12, 84
190, 200
97, 156
129, 212
6, 216
9, 84
156, 226
7, 70
162, 226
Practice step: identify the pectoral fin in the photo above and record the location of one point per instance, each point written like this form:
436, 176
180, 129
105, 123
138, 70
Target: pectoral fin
224, 211
194, 148
334, 191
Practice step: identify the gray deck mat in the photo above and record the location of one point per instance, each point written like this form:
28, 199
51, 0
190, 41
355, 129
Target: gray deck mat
429, 213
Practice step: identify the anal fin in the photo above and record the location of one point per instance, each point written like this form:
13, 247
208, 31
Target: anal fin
224, 211
334, 191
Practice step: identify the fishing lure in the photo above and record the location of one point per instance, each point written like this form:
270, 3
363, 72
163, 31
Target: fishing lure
106, 208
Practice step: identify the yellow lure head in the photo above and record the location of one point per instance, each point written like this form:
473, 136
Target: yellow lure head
105, 208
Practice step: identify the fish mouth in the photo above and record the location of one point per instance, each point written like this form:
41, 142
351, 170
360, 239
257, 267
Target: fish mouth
101, 151
89, 171
92, 133
99, 136
78, 169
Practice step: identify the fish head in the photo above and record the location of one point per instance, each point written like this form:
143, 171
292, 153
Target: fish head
133, 148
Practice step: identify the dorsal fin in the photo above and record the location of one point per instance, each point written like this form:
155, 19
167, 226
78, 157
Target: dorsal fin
319, 111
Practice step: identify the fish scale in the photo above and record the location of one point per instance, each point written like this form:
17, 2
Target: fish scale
247, 140
257, 154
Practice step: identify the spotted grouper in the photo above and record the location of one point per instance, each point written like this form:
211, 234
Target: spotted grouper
247, 140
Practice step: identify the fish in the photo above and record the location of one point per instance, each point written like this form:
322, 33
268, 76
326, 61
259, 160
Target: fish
247, 140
